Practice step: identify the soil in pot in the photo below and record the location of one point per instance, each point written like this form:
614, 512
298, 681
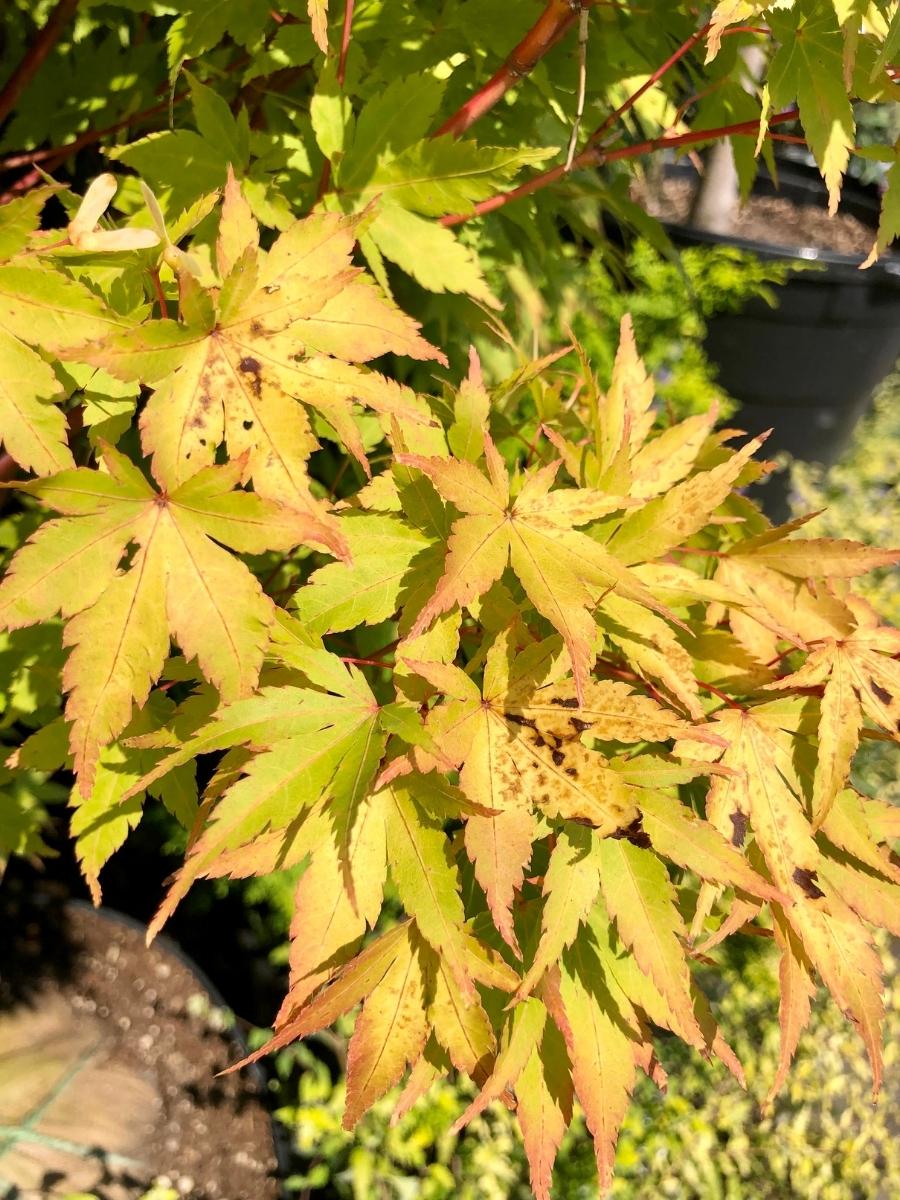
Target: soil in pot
109, 1052
808, 367
775, 220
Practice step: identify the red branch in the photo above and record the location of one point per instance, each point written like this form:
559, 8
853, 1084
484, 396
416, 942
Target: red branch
554, 22
345, 41
625, 106
35, 55
594, 156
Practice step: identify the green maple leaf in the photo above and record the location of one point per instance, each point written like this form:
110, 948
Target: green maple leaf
309, 747
390, 564
564, 573
39, 307
809, 66
288, 325
120, 613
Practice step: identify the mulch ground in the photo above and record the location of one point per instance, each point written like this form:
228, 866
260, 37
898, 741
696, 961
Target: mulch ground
109, 1053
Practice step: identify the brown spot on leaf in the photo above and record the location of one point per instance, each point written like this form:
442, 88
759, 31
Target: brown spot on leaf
558, 758
578, 725
739, 830
635, 834
247, 424
572, 772
564, 701
807, 881
884, 696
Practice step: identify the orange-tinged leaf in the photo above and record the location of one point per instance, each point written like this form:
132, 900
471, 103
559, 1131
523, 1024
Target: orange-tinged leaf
431, 1065
564, 572
665, 460
840, 947
817, 558
287, 331
352, 984
602, 1051
679, 834
664, 523
777, 816
641, 900
461, 1026
521, 1034
389, 1035
507, 759
544, 1107
849, 827
871, 897
860, 676
499, 847
318, 16
338, 894
323, 748
179, 582
794, 1003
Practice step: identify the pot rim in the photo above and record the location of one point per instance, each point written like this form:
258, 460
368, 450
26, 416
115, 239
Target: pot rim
846, 267
849, 266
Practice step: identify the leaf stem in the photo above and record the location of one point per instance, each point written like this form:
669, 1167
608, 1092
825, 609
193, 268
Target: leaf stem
160, 294
345, 41
582, 84
723, 696
367, 662
685, 48
35, 55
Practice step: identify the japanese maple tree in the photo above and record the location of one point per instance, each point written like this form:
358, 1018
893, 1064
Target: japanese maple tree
517, 648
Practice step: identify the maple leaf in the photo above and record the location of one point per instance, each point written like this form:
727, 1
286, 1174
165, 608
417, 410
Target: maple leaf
571, 884
288, 325
641, 900
318, 17
427, 879
389, 568
389, 1034
521, 1033
310, 748
544, 1107
520, 752
564, 573
809, 66
39, 307
861, 676
767, 788
337, 898
601, 1041
178, 581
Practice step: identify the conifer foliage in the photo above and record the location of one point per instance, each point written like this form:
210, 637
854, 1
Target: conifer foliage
572, 699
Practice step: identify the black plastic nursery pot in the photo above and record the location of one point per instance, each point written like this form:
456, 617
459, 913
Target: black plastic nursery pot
807, 368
